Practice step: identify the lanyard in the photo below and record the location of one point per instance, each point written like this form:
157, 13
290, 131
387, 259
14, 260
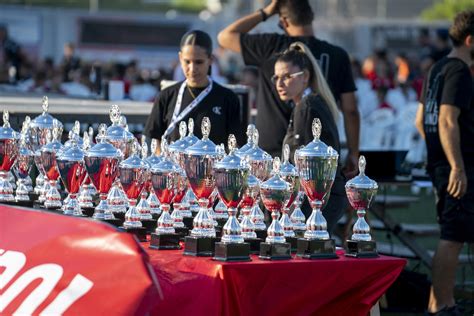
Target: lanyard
176, 115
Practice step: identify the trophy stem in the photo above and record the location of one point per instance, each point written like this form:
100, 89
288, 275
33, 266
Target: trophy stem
22, 191
361, 230
176, 215
53, 198
316, 226
248, 229
44, 189
39, 184
256, 217
203, 223
6, 189
287, 224
101, 208
165, 222
132, 217
297, 217
73, 205
232, 230
275, 233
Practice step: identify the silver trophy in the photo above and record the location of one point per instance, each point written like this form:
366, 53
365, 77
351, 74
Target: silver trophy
40, 126
72, 172
143, 207
360, 191
179, 209
199, 162
249, 199
190, 201
250, 142
101, 163
297, 216
275, 193
85, 197
132, 173
164, 181
231, 175
289, 173
23, 166
8, 156
152, 160
317, 165
48, 162
117, 135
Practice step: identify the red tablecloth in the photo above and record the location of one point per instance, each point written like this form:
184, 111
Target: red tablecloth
201, 286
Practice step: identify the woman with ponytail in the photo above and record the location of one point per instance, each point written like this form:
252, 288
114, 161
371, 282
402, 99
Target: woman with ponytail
298, 79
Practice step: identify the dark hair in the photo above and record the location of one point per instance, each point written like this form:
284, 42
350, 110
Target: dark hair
299, 12
462, 27
198, 38
297, 58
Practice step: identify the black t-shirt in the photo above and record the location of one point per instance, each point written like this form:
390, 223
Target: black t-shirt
273, 115
299, 132
221, 105
449, 82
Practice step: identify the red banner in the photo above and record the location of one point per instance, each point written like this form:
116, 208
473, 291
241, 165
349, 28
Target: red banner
55, 264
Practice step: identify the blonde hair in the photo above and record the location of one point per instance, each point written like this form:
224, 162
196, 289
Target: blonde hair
317, 81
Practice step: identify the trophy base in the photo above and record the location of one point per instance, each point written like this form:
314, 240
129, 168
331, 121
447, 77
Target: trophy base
80, 216
316, 249
38, 205
164, 242
181, 232
261, 234
149, 224
254, 245
218, 231
361, 249
280, 251
299, 233
188, 222
232, 252
199, 246
114, 222
120, 215
89, 211
139, 232
293, 241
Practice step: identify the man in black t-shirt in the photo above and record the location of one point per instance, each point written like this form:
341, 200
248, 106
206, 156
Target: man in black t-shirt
445, 119
260, 50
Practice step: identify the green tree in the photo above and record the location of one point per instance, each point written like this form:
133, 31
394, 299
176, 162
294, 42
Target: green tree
446, 9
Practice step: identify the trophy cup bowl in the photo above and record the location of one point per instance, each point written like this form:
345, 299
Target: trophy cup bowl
22, 169
317, 165
117, 135
275, 193
72, 172
164, 182
198, 165
8, 156
231, 175
360, 191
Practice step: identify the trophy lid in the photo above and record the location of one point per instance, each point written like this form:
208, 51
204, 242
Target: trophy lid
256, 153
252, 181
44, 120
134, 161
250, 132
204, 146
182, 143
74, 135
165, 165
232, 161
361, 181
102, 148
116, 131
55, 145
191, 139
317, 148
276, 183
153, 159
72, 153
287, 169
6, 132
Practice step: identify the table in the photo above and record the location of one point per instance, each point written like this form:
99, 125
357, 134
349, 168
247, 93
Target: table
201, 286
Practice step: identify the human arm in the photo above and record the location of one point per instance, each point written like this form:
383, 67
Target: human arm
230, 36
419, 120
449, 135
352, 127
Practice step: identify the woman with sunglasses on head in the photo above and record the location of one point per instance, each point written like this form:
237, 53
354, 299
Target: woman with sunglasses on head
298, 79
196, 97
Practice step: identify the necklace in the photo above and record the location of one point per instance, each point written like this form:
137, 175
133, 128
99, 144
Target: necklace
191, 92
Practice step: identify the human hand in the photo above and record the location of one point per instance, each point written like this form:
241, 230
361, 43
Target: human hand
271, 8
457, 184
351, 167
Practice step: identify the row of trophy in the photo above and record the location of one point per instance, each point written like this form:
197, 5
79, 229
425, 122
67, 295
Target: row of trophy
187, 177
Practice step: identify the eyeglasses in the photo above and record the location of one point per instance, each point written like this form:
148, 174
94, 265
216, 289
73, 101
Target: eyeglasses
286, 78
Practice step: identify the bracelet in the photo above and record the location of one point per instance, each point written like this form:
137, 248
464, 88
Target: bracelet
263, 14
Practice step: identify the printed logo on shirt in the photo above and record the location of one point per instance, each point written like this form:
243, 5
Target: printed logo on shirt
432, 107
323, 62
217, 110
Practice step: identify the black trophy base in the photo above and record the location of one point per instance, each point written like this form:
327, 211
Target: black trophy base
254, 245
188, 222
181, 232
280, 251
139, 232
232, 252
120, 215
38, 205
293, 241
89, 211
262, 234
361, 249
199, 246
115, 222
299, 233
165, 241
316, 249
149, 224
